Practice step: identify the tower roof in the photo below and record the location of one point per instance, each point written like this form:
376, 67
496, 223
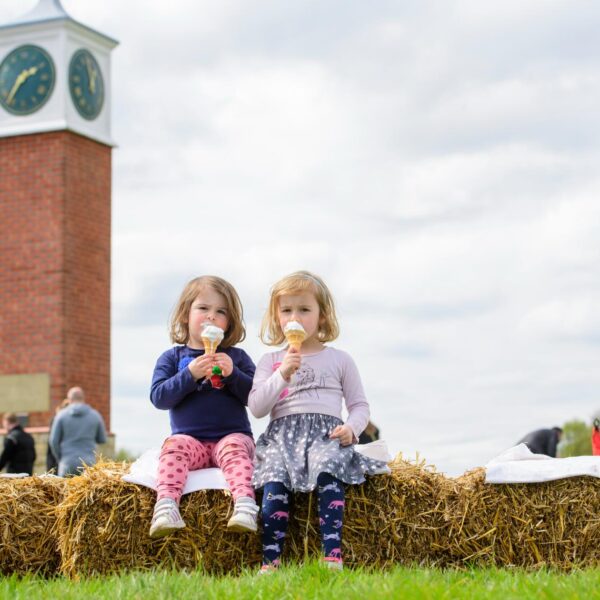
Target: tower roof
46, 11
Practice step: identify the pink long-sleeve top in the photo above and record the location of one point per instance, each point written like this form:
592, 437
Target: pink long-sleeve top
319, 385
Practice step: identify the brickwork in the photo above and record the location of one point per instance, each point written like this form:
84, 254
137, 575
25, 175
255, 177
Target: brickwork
55, 224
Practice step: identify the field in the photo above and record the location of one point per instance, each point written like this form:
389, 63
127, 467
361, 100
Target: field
314, 581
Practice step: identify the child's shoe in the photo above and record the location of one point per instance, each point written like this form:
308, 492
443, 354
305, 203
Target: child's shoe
335, 564
244, 515
267, 569
166, 518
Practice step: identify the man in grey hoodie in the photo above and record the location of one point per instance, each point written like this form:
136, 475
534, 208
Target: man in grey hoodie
75, 432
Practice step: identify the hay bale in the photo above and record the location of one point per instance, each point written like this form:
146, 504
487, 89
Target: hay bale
27, 520
103, 525
554, 524
412, 516
390, 519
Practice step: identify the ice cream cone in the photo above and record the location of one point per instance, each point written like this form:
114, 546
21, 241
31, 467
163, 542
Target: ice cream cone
211, 336
294, 334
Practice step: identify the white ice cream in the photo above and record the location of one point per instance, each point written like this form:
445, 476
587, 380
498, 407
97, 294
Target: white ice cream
213, 333
293, 326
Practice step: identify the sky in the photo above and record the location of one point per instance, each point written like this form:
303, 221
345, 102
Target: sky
436, 162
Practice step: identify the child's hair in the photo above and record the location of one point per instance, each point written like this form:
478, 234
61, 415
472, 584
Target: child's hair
299, 282
178, 326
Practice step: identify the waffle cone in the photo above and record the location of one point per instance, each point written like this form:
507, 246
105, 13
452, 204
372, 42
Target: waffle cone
295, 338
210, 347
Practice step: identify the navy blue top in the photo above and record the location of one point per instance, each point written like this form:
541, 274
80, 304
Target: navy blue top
195, 407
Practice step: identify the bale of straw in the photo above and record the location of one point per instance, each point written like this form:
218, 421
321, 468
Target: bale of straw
390, 519
554, 524
27, 520
411, 516
103, 525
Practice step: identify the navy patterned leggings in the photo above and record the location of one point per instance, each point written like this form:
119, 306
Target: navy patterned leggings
276, 514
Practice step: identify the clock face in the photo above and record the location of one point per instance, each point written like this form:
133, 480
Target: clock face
27, 78
86, 84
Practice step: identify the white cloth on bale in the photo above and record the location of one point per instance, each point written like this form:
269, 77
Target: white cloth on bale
143, 470
519, 465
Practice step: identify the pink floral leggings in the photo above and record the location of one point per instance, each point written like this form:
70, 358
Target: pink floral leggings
181, 453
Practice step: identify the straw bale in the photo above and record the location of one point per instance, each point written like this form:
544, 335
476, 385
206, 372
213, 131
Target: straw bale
27, 520
103, 525
390, 519
555, 524
414, 515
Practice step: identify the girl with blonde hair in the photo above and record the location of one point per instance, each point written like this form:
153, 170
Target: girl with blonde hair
306, 444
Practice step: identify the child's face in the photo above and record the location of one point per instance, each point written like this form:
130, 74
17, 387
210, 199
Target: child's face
209, 306
303, 308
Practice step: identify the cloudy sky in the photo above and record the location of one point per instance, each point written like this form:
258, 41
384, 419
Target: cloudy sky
436, 162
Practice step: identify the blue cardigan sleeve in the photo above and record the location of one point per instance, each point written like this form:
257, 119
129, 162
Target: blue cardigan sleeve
239, 382
170, 386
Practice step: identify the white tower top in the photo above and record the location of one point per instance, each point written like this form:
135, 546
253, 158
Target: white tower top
80, 61
45, 10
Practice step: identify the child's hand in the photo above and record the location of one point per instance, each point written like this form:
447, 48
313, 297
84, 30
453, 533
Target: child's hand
290, 363
202, 366
224, 361
342, 433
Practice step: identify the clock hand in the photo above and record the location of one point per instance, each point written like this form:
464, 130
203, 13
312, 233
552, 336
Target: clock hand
93, 81
23, 76
92, 74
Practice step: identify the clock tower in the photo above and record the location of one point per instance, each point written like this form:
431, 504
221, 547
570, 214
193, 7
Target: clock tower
55, 213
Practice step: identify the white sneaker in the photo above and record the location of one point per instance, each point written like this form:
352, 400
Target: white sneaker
333, 564
244, 515
166, 518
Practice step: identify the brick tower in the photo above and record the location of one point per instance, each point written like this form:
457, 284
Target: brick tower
55, 213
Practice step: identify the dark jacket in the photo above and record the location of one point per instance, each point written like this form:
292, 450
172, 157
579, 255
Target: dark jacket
371, 436
19, 452
51, 462
542, 441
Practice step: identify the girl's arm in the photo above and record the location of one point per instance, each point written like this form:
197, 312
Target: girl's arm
266, 388
354, 395
169, 386
239, 382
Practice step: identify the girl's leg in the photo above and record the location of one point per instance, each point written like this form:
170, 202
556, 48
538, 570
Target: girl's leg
179, 454
331, 515
275, 514
233, 454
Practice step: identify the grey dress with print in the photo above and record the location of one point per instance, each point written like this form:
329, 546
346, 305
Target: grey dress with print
296, 448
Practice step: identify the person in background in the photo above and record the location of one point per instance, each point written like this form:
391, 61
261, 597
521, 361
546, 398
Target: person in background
596, 438
370, 434
18, 455
543, 441
75, 432
51, 462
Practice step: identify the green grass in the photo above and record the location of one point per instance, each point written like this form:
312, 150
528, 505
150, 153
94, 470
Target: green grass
315, 581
